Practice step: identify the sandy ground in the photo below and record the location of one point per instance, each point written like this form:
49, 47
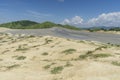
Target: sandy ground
3, 29
71, 34
52, 58
113, 32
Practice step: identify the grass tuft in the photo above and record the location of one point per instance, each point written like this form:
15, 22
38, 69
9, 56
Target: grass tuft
45, 53
69, 51
57, 70
116, 63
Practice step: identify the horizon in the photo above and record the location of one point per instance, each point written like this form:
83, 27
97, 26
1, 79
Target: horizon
81, 13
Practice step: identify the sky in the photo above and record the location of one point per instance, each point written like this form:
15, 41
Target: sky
81, 13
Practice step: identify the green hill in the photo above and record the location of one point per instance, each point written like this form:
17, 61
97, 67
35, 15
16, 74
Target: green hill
26, 24
18, 24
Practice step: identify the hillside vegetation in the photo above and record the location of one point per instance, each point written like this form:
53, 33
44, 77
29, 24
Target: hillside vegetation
94, 29
26, 24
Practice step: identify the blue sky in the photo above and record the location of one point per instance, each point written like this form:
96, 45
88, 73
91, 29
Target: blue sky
75, 12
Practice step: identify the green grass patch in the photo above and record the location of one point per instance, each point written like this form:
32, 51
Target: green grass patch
84, 56
102, 55
21, 57
116, 63
90, 55
69, 51
57, 70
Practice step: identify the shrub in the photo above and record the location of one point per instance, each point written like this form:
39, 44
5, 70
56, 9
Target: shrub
47, 66
20, 48
116, 63
68, 64
57, 70
45, 53
47, 41
101, 55
13, 66
83, 56
21, 58
68, 51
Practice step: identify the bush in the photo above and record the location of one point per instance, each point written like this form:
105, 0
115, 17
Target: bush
47, 66
45, 53
21, 58
116, 63
68, 64
13, 66
21, 48
68, 51
101, 55
83, 56
57, 70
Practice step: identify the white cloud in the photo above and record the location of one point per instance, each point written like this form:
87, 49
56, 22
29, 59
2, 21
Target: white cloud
109, 19
105, 19
77, 20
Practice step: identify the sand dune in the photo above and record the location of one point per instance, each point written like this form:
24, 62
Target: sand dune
52, 58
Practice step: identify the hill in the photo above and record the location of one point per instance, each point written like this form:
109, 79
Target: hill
18, 24
26, 24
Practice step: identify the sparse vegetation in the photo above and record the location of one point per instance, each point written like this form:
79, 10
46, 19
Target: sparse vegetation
116, 63
102, 55
21, 48
47, 66
47, 41
68, 64
69, 51
45, 53
90, 55
5, 51
83, 56
21, 57
57, 70
13, 66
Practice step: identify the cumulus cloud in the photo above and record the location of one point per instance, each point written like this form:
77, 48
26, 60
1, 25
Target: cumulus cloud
105, 19
74, 21
109, 19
